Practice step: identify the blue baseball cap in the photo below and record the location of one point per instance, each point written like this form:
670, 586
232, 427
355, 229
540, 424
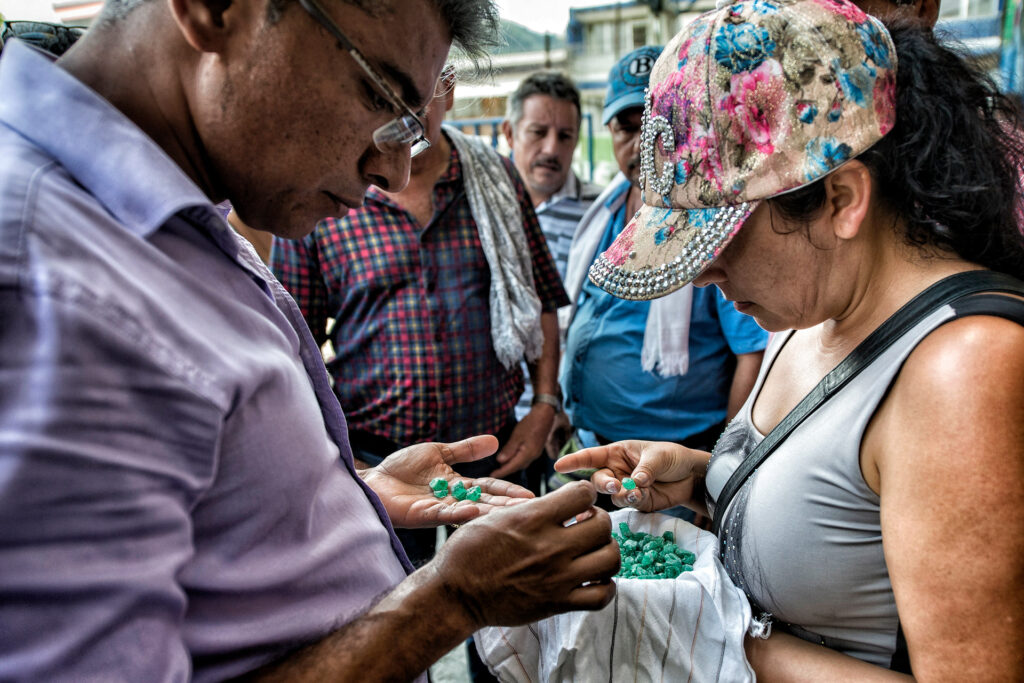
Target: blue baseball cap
627, 81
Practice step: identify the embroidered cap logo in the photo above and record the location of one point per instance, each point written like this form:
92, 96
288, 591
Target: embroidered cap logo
641, 66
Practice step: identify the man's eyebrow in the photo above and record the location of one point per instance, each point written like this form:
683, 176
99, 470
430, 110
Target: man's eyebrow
408, 92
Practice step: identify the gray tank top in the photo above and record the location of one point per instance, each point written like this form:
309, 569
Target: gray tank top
805, 539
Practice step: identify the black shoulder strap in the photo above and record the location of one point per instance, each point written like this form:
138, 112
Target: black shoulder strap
941, 293
998, 305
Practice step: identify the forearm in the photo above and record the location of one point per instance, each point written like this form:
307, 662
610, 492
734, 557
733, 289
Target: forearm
396, 640
784, 657
529, 436
544, 372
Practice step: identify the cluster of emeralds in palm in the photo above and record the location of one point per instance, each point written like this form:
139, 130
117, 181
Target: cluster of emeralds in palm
439, 485
651, 557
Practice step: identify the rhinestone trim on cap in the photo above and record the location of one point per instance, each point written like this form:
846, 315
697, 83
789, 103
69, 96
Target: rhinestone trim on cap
652, 282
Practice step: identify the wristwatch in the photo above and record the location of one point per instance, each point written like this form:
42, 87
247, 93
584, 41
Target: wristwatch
550, 399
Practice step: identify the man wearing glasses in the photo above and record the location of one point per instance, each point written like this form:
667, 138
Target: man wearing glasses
407, 281
178, 498
414, 283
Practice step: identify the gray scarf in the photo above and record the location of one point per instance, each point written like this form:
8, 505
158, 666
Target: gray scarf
515, 306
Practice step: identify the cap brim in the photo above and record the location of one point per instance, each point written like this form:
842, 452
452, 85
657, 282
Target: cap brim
632, 99
662, 250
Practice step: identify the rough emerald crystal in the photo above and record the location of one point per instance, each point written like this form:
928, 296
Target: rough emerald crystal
651, 557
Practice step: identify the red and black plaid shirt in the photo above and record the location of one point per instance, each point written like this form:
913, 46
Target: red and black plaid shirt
413, 359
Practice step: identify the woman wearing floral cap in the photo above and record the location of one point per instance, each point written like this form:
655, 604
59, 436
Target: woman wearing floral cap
855, 185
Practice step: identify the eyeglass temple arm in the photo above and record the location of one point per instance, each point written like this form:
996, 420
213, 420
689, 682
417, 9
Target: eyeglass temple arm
314, 8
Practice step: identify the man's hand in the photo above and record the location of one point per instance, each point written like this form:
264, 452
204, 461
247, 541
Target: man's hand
522, 563
666, 474
527, 440
515, 565
561, 432
402, 482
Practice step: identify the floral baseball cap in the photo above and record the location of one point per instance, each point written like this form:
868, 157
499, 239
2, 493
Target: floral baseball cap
750, 101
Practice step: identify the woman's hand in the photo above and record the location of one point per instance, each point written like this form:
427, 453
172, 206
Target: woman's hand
666, 474
402, 482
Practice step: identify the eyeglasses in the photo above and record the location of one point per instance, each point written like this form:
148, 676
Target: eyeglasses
407, 128
54, 38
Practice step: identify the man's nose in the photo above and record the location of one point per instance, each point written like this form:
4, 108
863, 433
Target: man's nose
388, 170
550, 143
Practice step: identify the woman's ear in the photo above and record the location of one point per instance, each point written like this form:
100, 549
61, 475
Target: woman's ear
205, 24
848, 192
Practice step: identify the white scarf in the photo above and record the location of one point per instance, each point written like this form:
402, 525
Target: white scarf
667, 333
515, 306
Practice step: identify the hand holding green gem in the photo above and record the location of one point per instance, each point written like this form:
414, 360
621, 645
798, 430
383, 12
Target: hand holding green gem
645, 475
414, 484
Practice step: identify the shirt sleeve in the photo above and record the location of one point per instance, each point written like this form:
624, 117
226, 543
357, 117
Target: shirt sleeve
296, 263
545, 273
104, 452
741, 331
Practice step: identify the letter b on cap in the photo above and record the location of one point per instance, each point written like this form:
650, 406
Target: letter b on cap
641, 66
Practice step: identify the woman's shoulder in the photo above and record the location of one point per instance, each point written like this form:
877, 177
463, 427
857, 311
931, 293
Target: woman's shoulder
963, 384
969, 349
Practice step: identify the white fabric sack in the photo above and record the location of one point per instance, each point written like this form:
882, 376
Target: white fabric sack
690, 628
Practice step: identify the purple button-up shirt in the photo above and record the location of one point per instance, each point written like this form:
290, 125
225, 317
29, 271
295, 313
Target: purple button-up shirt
177, 495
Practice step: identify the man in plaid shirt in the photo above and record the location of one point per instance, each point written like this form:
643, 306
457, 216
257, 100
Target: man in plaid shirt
406, 282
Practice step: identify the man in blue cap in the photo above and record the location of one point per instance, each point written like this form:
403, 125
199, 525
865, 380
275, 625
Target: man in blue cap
674, 369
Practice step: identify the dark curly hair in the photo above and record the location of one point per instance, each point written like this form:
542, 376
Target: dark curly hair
950, 168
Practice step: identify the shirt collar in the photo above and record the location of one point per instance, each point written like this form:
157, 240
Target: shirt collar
99, 146
617, 190
571, 189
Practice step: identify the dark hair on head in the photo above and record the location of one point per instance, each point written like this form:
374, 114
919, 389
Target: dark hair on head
950, 168
474, 24
116, 10
476, 29
554, 84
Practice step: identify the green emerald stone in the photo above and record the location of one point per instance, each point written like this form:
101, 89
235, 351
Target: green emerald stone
459, 491
474, 493
628, 484
645, 556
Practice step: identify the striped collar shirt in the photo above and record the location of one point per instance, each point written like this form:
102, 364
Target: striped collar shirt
560, 215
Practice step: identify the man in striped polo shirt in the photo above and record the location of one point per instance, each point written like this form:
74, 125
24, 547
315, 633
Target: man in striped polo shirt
542, 128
